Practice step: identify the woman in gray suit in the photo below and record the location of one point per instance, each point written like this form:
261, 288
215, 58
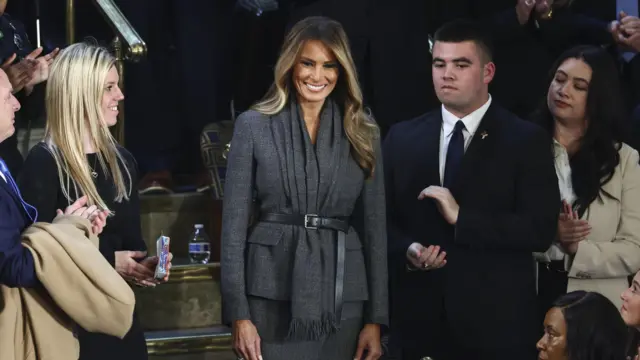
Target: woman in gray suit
308, 279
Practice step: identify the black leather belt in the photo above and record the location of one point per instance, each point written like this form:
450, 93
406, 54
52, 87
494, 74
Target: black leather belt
312, 221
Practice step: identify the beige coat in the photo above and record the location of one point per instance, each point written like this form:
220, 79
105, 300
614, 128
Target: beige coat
611, 252
79, 288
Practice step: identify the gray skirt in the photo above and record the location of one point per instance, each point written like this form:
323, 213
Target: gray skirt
272, 317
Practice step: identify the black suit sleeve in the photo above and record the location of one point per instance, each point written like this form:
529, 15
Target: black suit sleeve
504, 26
39, 184
632, 74
532, 225
132, 236
398, 240
575, 28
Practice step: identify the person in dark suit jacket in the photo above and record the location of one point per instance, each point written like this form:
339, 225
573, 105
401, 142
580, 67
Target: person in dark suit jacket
16, 262
471, 192
27, 71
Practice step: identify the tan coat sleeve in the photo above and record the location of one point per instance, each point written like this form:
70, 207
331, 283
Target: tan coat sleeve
80, 223
78, 278
620, 256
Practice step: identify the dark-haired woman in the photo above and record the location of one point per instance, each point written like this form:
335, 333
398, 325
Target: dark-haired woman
630, 312
598, 240
583, 326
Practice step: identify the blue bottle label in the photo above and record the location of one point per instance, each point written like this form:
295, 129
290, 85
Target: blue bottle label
198, 247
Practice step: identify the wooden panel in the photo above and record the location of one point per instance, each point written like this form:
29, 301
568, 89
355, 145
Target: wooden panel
203, 343
190, 299
174, 216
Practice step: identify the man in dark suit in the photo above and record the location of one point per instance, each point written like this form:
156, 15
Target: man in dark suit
16, 262
471, 192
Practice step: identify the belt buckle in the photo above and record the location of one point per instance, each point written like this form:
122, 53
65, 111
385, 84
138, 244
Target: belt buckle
307, 219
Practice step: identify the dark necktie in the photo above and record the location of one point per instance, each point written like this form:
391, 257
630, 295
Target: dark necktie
30, 210
454, 155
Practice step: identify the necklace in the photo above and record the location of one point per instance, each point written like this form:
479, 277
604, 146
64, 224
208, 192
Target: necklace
94, 174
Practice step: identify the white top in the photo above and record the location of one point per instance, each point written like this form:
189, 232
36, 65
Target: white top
563, 171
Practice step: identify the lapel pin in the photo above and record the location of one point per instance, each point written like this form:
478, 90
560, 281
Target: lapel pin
484, 134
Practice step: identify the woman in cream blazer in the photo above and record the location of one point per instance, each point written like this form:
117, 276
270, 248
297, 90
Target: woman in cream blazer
598, 243
611, 252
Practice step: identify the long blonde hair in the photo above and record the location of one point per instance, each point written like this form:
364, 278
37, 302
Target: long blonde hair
359, 127
74, 94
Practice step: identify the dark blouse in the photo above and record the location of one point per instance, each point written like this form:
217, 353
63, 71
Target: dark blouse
40, 187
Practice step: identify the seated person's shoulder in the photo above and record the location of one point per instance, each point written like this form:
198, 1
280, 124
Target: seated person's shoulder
40, 154
408, 127
39, 168
520, 130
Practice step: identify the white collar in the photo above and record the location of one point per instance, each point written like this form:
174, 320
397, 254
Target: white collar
471, 121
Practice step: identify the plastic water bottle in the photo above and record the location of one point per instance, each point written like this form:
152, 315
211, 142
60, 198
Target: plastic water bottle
199, 245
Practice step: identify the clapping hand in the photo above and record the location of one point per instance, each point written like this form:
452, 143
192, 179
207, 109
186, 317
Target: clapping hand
42, 65
524, 9
98, 218
19, 74
571, 229
626, 32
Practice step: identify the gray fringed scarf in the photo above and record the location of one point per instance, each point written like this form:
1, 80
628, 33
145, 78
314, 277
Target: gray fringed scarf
309, 174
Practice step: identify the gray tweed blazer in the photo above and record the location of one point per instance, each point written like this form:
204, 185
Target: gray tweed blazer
257, 260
